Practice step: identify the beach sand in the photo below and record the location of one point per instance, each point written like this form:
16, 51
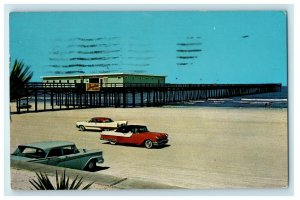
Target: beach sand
20, 181
208, 148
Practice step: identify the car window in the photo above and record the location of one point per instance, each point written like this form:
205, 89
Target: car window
134, 130
93, 120
69, 150
123, 130
30, 152
142, 129
107, 120
55, 152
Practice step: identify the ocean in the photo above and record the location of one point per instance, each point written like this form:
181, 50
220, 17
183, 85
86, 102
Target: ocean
265, 100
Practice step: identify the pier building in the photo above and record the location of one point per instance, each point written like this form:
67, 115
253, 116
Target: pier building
107, 79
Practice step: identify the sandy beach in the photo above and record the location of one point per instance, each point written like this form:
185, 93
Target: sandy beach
20, 180
208, 148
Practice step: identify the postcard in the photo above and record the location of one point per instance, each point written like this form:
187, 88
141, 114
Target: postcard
148, 100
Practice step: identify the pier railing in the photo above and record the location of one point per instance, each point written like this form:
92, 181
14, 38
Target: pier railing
139, 85
38, 96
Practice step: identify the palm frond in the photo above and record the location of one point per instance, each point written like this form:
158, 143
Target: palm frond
62, 183
73, 183
78, 184
87, 186
19, 77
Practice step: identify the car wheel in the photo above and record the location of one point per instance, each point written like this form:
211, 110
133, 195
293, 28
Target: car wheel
113, 142
148, 144
81, 128
91, 165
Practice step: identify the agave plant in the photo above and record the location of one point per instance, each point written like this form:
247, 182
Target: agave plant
19, 76
62, 183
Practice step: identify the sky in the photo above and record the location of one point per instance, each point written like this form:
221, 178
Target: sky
205, 47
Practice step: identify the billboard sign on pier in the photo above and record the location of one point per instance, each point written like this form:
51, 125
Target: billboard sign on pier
92, 87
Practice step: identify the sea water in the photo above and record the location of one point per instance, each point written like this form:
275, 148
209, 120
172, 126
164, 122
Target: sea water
272, 100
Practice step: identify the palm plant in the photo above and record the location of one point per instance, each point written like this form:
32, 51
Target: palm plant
19, 77
43, 182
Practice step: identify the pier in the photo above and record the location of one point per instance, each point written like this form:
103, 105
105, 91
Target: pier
61, 96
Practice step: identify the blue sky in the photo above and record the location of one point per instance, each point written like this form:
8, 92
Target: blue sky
187, 47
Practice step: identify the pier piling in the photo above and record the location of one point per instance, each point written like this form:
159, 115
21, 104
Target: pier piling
74, 96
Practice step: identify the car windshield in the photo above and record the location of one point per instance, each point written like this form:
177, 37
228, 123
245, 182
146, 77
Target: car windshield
29, 152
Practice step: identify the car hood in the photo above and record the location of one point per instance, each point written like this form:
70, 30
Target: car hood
80, 122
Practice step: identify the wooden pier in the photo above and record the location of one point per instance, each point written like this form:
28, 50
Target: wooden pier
62, 96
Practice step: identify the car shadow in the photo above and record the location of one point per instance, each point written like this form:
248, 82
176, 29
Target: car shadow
99, 168
164, 146
138, 146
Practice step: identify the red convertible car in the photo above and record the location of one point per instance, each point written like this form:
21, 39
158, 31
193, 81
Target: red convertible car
135, 134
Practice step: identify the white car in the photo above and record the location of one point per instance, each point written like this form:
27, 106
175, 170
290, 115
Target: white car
100, 124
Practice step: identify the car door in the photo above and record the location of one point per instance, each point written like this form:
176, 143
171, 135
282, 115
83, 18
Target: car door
125, 137
54, 156
106, 124
93, 124
64, 157
100, 124
135, 138
71, 158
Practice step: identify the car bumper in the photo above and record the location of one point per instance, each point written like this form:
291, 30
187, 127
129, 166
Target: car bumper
161, 142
